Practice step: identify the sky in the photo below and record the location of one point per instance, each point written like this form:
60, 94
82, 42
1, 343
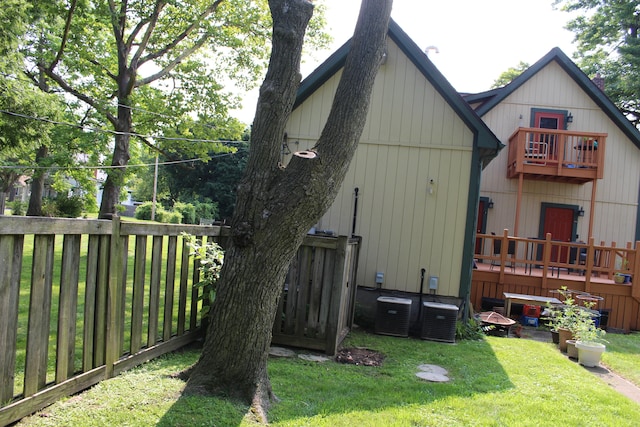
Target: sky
476, 40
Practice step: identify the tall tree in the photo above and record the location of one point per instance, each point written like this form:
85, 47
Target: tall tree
277, 205
126, 58
608, 43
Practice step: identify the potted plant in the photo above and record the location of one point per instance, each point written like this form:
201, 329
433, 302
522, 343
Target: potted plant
589, 342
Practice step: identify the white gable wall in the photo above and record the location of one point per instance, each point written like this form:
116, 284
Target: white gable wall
617, 193
411, 136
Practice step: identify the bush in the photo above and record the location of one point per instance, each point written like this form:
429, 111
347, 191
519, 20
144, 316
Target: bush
17, 207
69, 207
49, 208
143, 212
187, 210
171, 217
207, 210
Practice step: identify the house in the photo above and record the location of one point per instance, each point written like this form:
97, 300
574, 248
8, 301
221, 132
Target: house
413, 186
571, 171
572, 167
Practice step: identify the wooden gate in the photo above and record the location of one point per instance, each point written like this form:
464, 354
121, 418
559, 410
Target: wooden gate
318, 298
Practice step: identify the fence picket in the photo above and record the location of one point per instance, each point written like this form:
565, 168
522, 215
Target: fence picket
35, 371
67, 307
10, 266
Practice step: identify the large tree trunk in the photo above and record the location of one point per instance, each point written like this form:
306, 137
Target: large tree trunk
123, 127
37, 185
276, 206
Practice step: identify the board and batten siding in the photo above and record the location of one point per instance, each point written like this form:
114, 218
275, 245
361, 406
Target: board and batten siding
411, 136
616, 194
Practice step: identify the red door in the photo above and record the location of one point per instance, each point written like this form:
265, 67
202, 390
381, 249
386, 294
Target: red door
559, 222
549, 120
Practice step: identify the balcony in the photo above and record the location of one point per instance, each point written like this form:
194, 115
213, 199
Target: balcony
556, 155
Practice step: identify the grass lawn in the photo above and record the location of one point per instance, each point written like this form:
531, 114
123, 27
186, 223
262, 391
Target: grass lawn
495, 382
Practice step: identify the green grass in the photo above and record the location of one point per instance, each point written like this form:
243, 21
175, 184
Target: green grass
25, 290
623, 355
494, 382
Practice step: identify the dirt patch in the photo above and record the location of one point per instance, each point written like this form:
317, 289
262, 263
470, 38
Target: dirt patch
360, 356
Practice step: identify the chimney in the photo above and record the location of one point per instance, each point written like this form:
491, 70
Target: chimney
598, 80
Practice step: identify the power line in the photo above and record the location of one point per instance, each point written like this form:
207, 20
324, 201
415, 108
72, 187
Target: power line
113, 132
197, 159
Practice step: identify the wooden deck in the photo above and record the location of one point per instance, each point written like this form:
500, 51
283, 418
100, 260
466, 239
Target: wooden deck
516, 270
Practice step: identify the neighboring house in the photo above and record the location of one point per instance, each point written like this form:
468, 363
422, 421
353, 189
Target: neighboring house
412, 189
572, 166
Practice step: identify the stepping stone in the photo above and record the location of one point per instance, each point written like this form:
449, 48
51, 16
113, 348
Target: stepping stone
434, 369
281, 352
430, 376
313, 358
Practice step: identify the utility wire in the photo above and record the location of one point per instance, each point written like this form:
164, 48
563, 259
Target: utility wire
113, 132
197, 159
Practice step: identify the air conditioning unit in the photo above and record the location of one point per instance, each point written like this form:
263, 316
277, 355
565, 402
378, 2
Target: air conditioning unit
439, 321
392, 316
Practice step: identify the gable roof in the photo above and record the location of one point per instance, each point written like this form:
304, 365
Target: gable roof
486, 142
490, 99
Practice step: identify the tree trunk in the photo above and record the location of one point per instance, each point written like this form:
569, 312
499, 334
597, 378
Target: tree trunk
37, 185
123, 127
276, 206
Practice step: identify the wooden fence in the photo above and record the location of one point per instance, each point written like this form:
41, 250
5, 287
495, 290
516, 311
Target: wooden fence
318, 299
537, 266
99, 297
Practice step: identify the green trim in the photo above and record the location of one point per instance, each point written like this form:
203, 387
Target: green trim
532, 119
466, 269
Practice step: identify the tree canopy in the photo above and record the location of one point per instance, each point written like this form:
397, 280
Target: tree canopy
507, 76
607, 37
149, 68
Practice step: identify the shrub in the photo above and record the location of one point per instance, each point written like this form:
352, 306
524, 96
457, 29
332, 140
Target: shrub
69, 207
207, 210
49, 208
144, 212
211, 257
171, 217
17, 207
187, 210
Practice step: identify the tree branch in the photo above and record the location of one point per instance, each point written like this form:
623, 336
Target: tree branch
173, 64
105, 69
196, 24
147, 34
65, 35
118, 25
81, 96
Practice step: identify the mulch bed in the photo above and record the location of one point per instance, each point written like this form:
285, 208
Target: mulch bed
360, 356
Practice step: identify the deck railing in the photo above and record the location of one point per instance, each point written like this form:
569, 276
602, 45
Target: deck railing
556, 154
83, 300
505, 253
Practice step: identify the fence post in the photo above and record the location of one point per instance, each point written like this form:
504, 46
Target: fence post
504, 248
114, 299
333, 324
546, 258
589, 265
635, 279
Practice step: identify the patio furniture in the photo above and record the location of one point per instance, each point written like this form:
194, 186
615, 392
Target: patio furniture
527, 299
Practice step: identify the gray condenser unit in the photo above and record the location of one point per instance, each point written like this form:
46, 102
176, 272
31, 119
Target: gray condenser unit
439, 321
392, 316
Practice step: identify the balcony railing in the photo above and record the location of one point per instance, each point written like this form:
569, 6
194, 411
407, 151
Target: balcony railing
556, 155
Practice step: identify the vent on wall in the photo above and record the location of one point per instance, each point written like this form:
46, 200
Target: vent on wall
439, 321
392, 316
